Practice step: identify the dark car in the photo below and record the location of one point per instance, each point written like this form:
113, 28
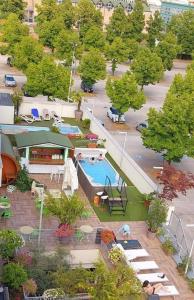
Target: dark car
142, 125
87, 88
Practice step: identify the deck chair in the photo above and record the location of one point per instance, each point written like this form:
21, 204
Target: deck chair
56, 117
35, 114
154, 297
27, 119
46, 115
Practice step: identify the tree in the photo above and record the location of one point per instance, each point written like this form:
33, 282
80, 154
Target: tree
154, 28
23, 181
157, 215
174, 181
136, 22
47, 11
117, 24
182, 25
27, 51
48, 79
87, 15
9, 242
49, 30
14, 275
167, 50
124, 93
17, 100
67, 210
66, 44
116, 52
147, 67
12, 6
67, 10
94, 37
132, 48
92, 67
13, 31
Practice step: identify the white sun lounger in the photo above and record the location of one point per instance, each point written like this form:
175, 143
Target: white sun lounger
152, 277
143, 265
133, 253
170, 290
45, 114
27, 119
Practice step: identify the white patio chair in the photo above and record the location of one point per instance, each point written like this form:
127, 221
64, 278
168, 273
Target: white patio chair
46, 115
27, 119
152, 277
143, 265
169, 290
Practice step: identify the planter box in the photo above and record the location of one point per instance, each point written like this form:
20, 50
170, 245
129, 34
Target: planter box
92, 145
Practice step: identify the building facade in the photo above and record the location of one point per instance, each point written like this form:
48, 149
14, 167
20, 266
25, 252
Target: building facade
170, 8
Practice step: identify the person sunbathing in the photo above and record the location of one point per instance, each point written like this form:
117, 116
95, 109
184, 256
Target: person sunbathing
100, 157
150, 289
80, 156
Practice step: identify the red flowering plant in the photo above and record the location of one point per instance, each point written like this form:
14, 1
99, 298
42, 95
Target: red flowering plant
64, 230
23, 257
91, 136
107, 236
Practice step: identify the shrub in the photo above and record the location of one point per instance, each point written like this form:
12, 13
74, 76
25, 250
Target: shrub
157, 214
191, 284
17, 120
23, 257
23, 181
9, 242
107, 236
115, 255
55, 129
53, 294
30, 287
168, 247
64, 230
86, 123
14, 275
91, 136
181, 266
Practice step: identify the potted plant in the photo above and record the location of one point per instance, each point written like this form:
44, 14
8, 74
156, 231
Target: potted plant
67, 210
115, 255
107, 236
148, 198
182, 266
168, 247
77, 97
157, 215
10, 241
54, 294
30, 287
14, 275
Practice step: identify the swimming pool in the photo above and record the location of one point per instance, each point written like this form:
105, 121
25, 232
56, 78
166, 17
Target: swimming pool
13, 129
68, 129
96, 172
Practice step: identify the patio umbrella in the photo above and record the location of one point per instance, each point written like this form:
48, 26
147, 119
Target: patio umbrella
70, 176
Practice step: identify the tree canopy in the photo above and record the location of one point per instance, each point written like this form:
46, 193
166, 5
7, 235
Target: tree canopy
136, 22
147, 67
46, 78
12, 6
94, 38
124, 93
27, 51
92, 66
182, 25
116, 52
117, 24
154, 28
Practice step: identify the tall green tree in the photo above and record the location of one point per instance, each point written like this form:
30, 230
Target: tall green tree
87, 15
117, 24
13, 31
116, 52
49, 30
155, 27
12, 6
67, 10
27, 51
66, 44
136, 22
124, 93
46, 78
47, 11
92, 67
167, 49
182, 25
147, 67
94, 38
132, 47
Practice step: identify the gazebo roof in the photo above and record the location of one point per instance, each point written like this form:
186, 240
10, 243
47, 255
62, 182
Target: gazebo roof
41, 137
6, 146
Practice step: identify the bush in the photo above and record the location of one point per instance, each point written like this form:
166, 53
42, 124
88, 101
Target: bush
86, 123
23, 181
55, 129
181, 266
17, 119
191, 284
30, 287
115, 255
168, 247
157, 214
9, 242
14, 275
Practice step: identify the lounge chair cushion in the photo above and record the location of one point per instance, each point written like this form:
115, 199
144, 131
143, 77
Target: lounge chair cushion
154, 297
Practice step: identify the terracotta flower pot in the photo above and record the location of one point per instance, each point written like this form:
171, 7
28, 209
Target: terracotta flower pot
78, 114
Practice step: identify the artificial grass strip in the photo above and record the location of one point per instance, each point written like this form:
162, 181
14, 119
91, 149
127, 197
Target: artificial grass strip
136, 211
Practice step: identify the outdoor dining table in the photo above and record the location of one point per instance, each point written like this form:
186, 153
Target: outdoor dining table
26, 231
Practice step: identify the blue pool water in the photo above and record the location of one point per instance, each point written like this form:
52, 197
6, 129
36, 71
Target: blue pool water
97, 172
69, 129
12, 129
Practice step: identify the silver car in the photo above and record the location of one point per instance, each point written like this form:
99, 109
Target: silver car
10, 81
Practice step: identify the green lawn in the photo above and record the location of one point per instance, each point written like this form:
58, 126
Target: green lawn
136, 211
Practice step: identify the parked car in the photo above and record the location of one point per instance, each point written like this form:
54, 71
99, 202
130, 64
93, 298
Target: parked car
142, 125
10, 81
113, 114
86, 87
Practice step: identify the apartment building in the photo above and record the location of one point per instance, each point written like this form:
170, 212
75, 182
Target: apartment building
174, 7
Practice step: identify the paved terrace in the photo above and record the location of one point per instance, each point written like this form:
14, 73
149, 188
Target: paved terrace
25, 213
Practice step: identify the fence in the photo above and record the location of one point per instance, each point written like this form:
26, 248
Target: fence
137, 176
76, 297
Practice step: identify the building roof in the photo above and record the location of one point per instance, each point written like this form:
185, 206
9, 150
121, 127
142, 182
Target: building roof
42, 137
5, 99
6, 146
